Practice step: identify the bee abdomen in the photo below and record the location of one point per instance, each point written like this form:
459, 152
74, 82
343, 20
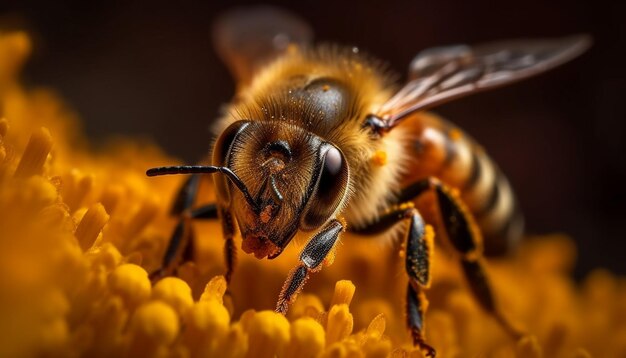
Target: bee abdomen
445, 152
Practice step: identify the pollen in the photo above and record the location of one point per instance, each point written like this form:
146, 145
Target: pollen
266, 214
79, 235
455, 134
379, 158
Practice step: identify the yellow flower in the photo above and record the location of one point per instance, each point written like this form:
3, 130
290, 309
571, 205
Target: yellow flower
79, 234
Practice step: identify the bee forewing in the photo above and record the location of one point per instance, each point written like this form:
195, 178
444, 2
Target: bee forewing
441, 74
248, 38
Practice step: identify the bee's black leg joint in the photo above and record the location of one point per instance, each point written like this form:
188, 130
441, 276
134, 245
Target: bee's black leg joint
312, 256
415, 309
292, 286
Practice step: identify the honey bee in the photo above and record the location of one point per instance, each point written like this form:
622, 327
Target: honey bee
318, 139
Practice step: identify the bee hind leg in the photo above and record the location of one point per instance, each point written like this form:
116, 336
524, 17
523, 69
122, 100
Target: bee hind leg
419, 248
465, 237
180, 245
311, 258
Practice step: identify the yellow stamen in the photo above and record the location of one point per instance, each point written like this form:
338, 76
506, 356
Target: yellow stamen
307, 338
35, 154
75, 188
207, 323
106, 256
174, 292
131, 283
377, 327
306, 305
90, 226
215, 289
268, 332
153, 327
339, 325
344, 291
235, 343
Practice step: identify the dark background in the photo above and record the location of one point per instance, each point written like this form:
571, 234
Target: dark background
148, 69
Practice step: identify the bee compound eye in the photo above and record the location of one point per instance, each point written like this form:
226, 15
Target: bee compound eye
333, 163
330, 190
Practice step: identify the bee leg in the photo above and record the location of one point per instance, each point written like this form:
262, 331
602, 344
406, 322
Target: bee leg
311, 259
465, 237
230, 250
186, 195
180, 246
416, 308
419, 248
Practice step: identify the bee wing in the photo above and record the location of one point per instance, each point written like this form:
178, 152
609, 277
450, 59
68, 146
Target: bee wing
442, 74
250, 37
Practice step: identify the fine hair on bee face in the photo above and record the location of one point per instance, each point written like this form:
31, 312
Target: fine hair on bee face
319, 140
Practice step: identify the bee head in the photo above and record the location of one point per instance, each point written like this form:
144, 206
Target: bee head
295, 180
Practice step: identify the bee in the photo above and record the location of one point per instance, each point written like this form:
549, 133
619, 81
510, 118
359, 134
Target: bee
319, 140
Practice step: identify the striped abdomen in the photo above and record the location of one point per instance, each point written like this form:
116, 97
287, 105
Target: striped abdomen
443, 151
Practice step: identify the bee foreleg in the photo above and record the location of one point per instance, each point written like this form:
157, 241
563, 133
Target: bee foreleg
311, 258
180, 245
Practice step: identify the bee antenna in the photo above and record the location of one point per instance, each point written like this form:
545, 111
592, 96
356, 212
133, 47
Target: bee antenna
205, 169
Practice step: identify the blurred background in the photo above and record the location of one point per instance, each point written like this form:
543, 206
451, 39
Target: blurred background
148, 70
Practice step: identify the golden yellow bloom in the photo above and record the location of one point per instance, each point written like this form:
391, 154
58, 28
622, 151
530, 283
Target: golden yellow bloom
79, 234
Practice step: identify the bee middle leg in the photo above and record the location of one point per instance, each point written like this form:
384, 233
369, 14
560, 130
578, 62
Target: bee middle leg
419, 248
465, 237
311, 258
180, 245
